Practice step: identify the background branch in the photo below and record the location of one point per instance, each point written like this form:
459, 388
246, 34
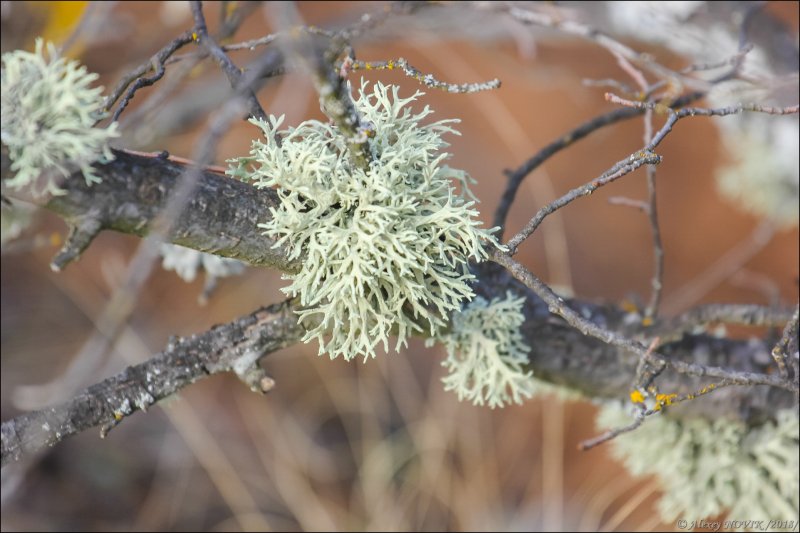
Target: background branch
233, 347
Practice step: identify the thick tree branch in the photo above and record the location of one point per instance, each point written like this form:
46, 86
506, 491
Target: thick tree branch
234, 347
221, 218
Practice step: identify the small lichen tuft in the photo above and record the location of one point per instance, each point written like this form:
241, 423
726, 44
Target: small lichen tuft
486, 353
48, 116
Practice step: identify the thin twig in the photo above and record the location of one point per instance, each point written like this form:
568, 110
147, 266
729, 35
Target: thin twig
620, 169
516, 177
156, 63
226, 64
700, 317
637, 159
319, 59
233, 347
652, 209
662, 401
589, 33
558, 306
428, 80
614, 433
780, 353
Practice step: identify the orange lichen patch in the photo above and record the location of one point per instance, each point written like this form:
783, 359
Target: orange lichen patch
55, 239
647, 321
637, 397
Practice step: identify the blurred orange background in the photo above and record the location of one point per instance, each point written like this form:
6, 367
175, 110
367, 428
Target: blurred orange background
339, 445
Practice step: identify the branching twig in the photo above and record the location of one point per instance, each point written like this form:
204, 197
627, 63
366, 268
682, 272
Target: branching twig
642, 413
516, 177
700, 317
226, 64
644, 156
156, 63
234, 347
782, 350
428, 80
621, 168
558, 306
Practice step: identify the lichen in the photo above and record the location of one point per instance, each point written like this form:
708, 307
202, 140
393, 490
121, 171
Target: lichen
48, 117
710, 467
386, 249
487, 354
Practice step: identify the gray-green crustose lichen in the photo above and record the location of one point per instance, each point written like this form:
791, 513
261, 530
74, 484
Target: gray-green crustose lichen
385, 249
48, 115
711, 467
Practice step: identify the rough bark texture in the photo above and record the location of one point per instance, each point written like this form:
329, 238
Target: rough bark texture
221, 217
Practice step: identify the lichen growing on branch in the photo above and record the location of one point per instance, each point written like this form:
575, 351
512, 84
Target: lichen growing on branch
486, 353
711, 467
187, 262
386, 250
48, 115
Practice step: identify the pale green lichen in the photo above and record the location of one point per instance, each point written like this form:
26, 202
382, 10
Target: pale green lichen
48, 116
385, 250
187, 262
487, 354
712, 467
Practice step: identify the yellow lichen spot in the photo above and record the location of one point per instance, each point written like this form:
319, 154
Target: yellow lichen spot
55, 239
390, 65
647, 321
118, 416
628, 306
637, 397
665, 399
368, 66
194, 36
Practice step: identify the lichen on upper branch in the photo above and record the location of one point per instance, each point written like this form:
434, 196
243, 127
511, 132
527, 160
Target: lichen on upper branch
385, 249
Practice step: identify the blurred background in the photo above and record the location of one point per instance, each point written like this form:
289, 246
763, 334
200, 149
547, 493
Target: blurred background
376, 446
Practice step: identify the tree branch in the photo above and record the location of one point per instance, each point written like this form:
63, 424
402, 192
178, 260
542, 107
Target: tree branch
234, 347
221, 218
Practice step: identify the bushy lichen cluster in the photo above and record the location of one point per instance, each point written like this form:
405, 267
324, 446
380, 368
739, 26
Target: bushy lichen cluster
48, 116
385, 249
486, 353
708, 468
